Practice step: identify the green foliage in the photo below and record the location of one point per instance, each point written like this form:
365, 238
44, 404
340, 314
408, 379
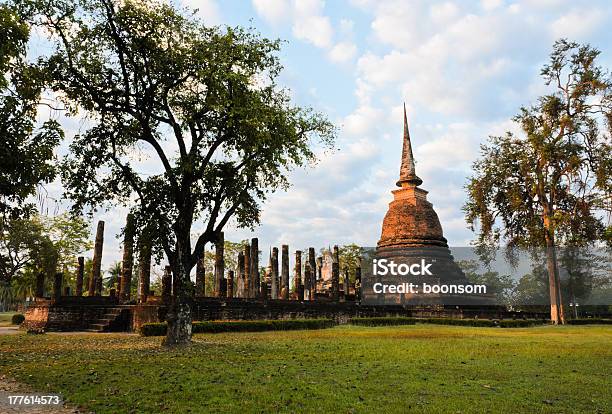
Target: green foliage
500, 285
382, 321
555, 176
159, 329
114, 273
350, 259
230, 257
532, 288
26, 151
203, 101
39, 244
392, 321
17, 319
590, 321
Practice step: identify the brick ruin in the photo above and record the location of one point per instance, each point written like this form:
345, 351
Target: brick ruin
318, 286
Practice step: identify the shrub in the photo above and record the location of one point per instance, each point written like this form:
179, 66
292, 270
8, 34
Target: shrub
390, 321
589, 321
459, 322
159, 329
521, 323
382, 321
17, 319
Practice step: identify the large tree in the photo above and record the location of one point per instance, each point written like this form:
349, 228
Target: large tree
187, 123
551, 184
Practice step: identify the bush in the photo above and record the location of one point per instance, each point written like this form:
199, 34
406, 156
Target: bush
382, 321
521, 323
159, 329
459, 322
17, 319
390, 321
589, 321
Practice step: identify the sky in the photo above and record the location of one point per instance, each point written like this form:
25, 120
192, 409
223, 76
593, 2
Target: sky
463, 69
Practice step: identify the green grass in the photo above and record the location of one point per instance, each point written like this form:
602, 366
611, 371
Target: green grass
419, 368
5, 318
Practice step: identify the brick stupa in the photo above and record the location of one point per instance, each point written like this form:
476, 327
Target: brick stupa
411, 220
411, 230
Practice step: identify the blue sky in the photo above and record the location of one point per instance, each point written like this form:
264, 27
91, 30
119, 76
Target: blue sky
463, 68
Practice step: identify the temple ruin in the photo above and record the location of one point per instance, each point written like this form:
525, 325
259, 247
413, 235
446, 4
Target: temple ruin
318, 286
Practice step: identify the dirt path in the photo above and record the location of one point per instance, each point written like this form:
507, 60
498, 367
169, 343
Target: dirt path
9, 387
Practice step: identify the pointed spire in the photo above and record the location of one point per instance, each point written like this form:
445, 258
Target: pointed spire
407, 170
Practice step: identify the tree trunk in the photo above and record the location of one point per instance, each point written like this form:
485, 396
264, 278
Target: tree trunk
553, 273
179, 312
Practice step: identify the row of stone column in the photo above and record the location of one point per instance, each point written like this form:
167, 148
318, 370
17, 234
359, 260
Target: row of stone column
124, 284
248, 281
274, 284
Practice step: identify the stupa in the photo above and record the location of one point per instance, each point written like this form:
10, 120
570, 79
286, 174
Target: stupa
411, 233
411, 220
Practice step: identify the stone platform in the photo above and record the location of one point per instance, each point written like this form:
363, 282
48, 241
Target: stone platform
104, 314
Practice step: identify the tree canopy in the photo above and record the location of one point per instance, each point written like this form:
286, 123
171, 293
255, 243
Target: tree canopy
26, 149
551, 184
187, 122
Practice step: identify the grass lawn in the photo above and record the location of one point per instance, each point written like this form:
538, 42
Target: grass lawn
421, 368
5, 318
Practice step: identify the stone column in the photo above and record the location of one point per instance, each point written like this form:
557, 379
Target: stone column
285, 272
240, 282
95, 282
219, 264
308, 276
230, 284
144, 271
306, 281
319, 268
254, 271
128, 258
167, 285
346, 284
223, 287
40, 285
200, 285
358, 283
335, 275
80, 272
274, 275
297, 277
248, 283
57, 286
313, 272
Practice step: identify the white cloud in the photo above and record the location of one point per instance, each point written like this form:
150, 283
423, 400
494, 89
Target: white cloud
363, 121
208, 10
273, 11
443, 12
310, 24
577, 23
314, 29
346, 26
490, 5
343, 52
